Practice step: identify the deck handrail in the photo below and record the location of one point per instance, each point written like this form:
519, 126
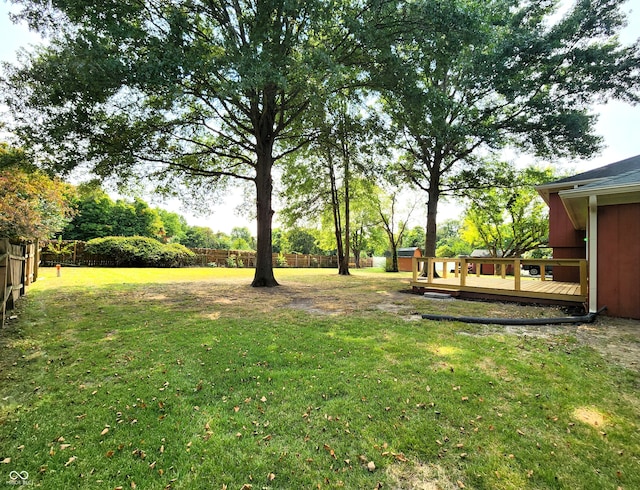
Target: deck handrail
460, 268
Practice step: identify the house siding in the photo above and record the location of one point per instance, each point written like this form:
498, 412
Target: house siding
619, 260
566, 241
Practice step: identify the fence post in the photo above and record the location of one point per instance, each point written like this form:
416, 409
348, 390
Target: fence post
4, 274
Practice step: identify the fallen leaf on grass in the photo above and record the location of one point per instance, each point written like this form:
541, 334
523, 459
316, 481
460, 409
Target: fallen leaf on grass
330, 450
271, 476
71, 460
371, 466
104, 431
6, 461
460, 484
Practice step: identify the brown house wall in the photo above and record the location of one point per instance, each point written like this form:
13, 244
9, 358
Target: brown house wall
566, 241
619, 260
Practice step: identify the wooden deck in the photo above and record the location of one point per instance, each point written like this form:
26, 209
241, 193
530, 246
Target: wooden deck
517, 287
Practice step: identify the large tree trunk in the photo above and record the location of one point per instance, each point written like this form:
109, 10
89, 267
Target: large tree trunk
264, 185
430, 236
337, 219
343, 267
394, 259
432, 212
432, 216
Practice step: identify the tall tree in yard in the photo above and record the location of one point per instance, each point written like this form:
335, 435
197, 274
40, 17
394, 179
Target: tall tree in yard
468, 79
394, 227
338, 157
186, 92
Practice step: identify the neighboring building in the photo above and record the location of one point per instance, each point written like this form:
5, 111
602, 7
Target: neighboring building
405, 256
481, 253
596, 215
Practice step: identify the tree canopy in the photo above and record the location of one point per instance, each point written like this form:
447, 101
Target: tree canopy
32, 204
509, 221
192, 93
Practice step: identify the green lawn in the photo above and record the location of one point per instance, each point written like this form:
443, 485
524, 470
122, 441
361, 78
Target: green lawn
191, 379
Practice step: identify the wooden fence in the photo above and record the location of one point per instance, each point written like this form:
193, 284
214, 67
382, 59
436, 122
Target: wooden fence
73, 253
18, 269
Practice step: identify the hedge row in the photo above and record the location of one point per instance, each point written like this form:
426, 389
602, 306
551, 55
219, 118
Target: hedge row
140, 251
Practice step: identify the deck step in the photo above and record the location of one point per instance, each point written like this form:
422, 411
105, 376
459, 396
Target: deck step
432, 295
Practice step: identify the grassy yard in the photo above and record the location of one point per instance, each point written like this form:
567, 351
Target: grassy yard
191, 379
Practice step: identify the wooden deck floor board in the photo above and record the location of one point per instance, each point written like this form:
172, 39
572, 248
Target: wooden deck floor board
529, 287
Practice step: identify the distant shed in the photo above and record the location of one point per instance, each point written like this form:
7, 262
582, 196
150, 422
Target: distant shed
405, 256
481, 253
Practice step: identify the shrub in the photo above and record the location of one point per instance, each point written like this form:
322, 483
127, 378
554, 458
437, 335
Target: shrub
140, 251
281, 261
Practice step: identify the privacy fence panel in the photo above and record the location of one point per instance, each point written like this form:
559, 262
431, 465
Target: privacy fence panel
18, 269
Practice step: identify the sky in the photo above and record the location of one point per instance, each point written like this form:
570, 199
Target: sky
618, 124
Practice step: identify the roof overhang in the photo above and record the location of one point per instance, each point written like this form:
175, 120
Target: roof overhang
556, 187
576, 201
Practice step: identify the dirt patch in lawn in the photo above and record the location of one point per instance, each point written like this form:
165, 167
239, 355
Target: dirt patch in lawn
589, 416
419, 476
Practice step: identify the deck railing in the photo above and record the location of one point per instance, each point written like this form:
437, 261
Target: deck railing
502, 267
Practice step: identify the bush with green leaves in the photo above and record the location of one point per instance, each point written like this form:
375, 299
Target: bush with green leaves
281, 261
137, 251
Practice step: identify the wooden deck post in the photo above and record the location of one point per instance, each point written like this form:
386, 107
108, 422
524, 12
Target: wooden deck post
430, 270
463, 272
414, 268
516, 274
584, 282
